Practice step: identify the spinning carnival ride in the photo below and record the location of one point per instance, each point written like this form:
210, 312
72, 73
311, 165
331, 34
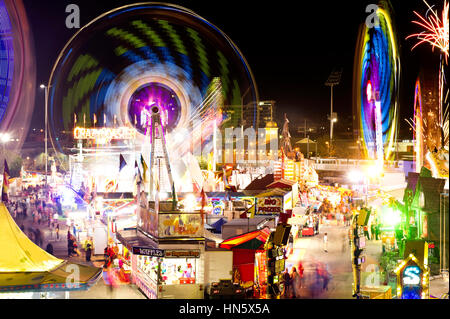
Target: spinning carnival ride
136, 56
376, 85
17, 72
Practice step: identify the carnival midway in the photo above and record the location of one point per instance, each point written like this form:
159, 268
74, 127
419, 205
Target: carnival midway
163, 180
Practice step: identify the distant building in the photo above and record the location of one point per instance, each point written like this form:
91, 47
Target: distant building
233, 116
266, 112
258, 115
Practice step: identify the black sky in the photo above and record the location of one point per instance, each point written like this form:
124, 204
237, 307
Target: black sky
291, 47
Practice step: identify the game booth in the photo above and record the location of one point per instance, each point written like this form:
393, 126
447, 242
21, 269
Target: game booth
249, 260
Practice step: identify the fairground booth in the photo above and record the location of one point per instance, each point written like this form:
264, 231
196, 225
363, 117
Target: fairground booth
167, 251
27, 271
259, 260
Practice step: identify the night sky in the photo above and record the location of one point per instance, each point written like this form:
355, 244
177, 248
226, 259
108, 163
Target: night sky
290, 49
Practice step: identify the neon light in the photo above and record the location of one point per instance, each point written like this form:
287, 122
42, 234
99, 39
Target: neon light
377, 69
121, 133
379, 135
411, 275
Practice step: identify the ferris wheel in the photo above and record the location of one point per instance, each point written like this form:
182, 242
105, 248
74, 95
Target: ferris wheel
17, 73
142, 54
376, 86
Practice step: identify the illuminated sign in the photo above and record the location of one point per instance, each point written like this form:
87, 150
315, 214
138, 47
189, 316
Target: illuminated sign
104, 133
411, 276
183, 253
269, 205
148, 252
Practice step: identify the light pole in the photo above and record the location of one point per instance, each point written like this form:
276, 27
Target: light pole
333, 79
46, 87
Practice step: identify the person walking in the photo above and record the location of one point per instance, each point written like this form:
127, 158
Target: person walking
372, 231
377, 231
287, 283
57, 231
88, 251
366, 232
325, 242
295, 282
69, 246
49, 248
325, 279
75, 246
301, 273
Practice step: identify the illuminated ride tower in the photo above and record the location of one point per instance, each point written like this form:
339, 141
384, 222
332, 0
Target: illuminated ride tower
159, 157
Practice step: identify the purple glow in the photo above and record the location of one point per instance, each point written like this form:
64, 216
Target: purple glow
160, 95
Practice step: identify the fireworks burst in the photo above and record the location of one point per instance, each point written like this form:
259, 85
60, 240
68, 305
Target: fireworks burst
436, 29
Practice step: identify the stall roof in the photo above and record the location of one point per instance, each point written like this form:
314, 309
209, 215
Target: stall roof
252, 240
273, 192
24, 266
255, 221
134, 238
282, 183
217, 225
224, 194
260, 183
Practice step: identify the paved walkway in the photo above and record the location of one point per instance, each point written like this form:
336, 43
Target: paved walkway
99, 290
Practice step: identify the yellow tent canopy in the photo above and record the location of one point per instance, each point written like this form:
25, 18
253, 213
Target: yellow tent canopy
18, 252
25, 266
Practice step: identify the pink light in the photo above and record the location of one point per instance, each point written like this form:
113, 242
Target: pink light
369, 91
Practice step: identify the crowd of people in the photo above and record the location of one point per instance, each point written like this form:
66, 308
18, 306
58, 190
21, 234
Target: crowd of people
299, 284
29, 205
35, 208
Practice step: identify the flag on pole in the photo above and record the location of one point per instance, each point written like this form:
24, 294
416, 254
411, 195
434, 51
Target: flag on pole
123, 163
144, 167
137, 173
251, 210
174, 197
5, 183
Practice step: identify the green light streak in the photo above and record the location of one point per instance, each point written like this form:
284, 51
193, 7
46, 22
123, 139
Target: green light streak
174, 36
201, 52
148, 31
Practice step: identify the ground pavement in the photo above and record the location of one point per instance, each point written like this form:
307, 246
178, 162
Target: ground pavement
99, 290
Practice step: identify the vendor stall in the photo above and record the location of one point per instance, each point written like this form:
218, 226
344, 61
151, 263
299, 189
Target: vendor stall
249, 258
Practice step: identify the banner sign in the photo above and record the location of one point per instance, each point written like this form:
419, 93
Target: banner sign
148, 252
182, 253
269, 205
106, 133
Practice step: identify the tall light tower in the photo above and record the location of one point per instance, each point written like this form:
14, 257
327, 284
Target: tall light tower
333, 79
46, 88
